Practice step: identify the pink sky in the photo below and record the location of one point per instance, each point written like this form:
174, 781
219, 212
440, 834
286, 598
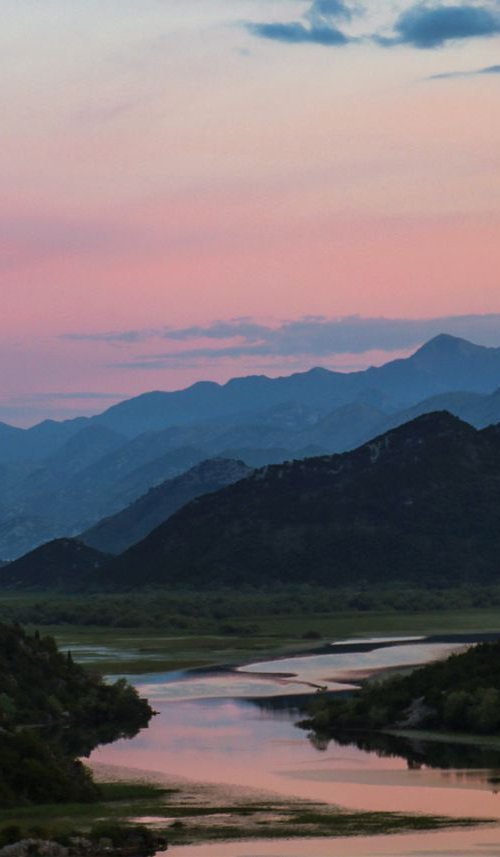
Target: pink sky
163, 167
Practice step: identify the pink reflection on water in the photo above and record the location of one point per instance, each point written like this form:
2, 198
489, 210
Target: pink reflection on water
456, 843
235, 743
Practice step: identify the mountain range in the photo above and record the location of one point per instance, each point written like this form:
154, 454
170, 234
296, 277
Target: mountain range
418, 505
62, 479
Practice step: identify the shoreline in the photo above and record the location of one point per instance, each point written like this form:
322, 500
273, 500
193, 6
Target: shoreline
201, 813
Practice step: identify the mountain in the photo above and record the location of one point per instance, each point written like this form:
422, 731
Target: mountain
420, 504
59, 479
444, 364
480, 410
118, 532
37, 442
57, 563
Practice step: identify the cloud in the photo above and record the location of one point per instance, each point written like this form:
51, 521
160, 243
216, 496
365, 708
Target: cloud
311, 337
113, 336
317, 26
432, 26
422, 25
491, 69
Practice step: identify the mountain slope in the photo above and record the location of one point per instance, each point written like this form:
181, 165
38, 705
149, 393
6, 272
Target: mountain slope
116, 533
419, 504
57, 563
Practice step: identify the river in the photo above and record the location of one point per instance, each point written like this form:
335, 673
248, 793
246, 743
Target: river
238, 728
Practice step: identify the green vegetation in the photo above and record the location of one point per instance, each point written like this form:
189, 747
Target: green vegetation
51, 712
228, 627
460, 694
248, 611
185, 817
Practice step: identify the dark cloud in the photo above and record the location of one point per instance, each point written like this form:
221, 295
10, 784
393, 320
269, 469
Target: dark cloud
315, 337
317, 27
491, 69
432, 26
423, 25
296, 33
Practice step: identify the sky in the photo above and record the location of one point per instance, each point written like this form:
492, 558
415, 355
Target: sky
198, 189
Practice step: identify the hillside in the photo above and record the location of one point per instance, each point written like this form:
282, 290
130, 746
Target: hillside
460, 694
420, 503
115, 534
54, 564
51, 712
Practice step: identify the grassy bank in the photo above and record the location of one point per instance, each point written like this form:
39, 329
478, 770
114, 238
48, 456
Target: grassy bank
138, 650
195, 814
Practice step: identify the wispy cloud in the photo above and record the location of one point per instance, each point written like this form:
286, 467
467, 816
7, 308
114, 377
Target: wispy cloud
491, 69
310, 337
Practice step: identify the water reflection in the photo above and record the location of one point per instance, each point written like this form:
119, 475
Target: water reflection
257, 744
206, 731
474, 762
455, 843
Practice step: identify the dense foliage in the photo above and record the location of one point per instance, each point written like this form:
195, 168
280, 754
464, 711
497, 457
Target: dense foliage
461, 694
225, 610
51, 711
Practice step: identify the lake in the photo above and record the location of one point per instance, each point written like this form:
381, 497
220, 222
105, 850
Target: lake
237, 728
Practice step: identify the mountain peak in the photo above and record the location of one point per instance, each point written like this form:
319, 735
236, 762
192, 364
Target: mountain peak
445, 343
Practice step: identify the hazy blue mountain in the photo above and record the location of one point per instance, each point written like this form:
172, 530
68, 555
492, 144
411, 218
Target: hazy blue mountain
37, 442
444, 364
420, 504
478, 409
120, 531
84, 448
58, 479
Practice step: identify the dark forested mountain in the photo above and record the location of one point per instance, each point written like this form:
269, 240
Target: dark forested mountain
61, 562
59, 479
418, 504
120, 531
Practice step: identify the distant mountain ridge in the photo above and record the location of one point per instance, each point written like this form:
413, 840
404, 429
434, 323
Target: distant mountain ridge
444, 364
59, 479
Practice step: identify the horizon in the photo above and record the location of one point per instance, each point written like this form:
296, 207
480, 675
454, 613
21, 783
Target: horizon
347, 371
